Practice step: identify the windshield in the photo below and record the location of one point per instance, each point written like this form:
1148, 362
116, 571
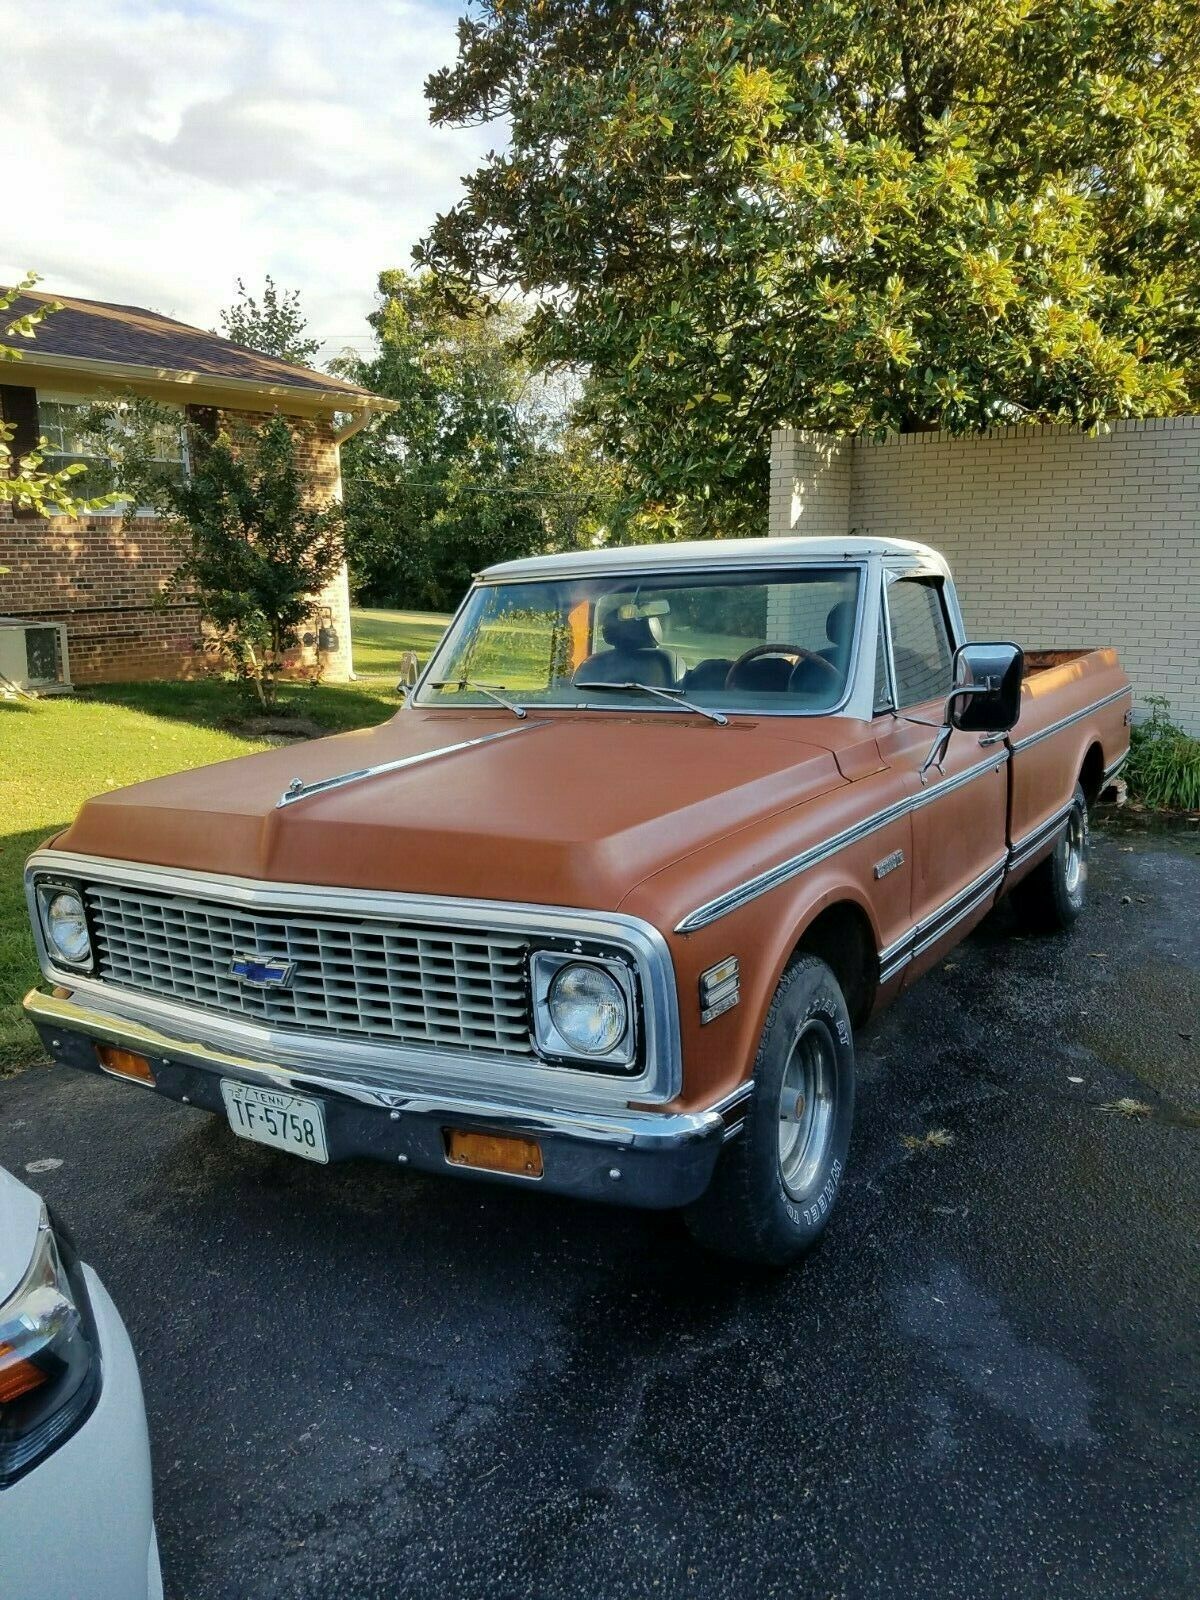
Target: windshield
758, 640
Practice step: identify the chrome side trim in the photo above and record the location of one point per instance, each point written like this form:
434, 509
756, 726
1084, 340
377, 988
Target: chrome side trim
1114, 767
731, 1105
764, 882
1021, 850
1065, 722
411, 1068
299, 790
938, 923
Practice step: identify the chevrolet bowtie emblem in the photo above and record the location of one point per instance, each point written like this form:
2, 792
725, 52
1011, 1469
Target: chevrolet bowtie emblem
263, 972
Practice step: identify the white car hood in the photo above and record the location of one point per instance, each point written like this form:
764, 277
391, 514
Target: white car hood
20, 1210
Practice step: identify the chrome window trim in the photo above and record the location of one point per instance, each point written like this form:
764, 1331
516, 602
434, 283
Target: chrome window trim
951, 616
862, 565
405, 1067
884, 643
1066, 722
763, 882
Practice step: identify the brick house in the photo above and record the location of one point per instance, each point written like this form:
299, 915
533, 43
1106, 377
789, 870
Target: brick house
1056, 536
102, 575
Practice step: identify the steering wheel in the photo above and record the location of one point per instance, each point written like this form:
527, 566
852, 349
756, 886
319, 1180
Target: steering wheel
796, 650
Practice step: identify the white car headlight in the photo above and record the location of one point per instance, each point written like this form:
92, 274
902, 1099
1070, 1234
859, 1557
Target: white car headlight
47, 1359
584, 1009
64, 923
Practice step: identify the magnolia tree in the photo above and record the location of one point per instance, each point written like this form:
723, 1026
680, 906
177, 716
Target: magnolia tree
843, 214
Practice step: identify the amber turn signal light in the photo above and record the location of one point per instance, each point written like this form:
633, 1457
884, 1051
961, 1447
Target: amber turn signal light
494, 1152
125, 1063
17, 1377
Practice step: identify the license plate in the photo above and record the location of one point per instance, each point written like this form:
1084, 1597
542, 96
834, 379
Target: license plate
268, 1116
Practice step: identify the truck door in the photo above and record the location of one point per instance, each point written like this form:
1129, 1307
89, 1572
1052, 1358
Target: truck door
960, 814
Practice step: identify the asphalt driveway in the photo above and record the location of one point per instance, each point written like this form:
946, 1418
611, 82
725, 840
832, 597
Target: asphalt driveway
987, 1382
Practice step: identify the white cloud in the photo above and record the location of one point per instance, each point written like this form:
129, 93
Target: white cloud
169, 149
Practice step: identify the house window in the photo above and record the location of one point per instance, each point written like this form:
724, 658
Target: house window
62, 421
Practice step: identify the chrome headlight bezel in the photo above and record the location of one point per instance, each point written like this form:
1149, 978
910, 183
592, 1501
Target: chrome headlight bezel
46, 892
545, 968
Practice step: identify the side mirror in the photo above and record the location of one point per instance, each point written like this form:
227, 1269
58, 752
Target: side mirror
409, 672
986, 697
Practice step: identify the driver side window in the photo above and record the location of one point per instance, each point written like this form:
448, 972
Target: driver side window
921, 646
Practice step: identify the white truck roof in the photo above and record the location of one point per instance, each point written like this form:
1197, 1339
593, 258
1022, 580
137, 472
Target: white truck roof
708, 553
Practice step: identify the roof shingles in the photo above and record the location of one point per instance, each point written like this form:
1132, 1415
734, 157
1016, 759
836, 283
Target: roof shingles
93, 330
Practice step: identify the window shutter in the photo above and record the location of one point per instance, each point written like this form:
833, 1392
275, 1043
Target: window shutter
202, 427
18, 405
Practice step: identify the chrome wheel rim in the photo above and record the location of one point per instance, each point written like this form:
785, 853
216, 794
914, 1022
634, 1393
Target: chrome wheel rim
1073, 869
806, 1105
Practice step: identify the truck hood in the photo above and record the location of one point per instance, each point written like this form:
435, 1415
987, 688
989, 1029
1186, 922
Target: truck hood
566, 809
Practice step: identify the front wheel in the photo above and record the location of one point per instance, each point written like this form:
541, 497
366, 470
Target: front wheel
1052, 896
776, 1184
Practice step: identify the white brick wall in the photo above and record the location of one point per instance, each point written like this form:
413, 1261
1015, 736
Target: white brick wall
810, 486
1055, 537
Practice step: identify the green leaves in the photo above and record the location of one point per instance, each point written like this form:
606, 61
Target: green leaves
22, 481
479, 463
273, 325
843, 215
256, 546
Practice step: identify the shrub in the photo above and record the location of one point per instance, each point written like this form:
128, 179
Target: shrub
1164, 761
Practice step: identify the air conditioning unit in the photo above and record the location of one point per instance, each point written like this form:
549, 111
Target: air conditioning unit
33, 657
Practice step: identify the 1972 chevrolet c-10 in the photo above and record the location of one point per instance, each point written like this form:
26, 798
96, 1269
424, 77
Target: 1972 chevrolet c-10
598, 909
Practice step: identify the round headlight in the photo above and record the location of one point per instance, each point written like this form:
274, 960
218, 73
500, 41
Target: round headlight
66, 926
587, 1006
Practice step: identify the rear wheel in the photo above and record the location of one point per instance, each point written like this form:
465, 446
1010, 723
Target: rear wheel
776, 1184
1055, 892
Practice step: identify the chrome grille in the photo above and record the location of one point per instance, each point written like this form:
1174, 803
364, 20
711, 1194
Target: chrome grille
361, 977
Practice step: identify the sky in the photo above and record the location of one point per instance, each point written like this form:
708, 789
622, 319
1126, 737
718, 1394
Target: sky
164, 150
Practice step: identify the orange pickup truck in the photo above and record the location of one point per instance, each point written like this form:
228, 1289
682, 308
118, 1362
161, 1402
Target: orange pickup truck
599, 909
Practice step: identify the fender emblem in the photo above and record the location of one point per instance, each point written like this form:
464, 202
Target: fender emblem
889, 863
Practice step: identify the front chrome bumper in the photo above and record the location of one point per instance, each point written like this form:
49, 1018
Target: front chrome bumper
637, 1158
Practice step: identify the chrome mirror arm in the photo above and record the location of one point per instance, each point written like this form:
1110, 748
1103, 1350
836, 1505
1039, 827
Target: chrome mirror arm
937, 751
941, 739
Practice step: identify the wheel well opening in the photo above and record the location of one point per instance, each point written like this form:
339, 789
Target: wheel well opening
1091, 774
843, 938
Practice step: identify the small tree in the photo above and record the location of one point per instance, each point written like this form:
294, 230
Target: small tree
274, 325
257, 547
22, 480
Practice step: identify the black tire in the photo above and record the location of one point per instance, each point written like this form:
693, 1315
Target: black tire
1050, 899
751, 1211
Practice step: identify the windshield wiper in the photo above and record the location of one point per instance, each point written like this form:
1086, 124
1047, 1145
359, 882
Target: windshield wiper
673, 697
481, 688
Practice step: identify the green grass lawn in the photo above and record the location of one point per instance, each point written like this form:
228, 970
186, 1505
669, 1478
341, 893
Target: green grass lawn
55, 753
380, 636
